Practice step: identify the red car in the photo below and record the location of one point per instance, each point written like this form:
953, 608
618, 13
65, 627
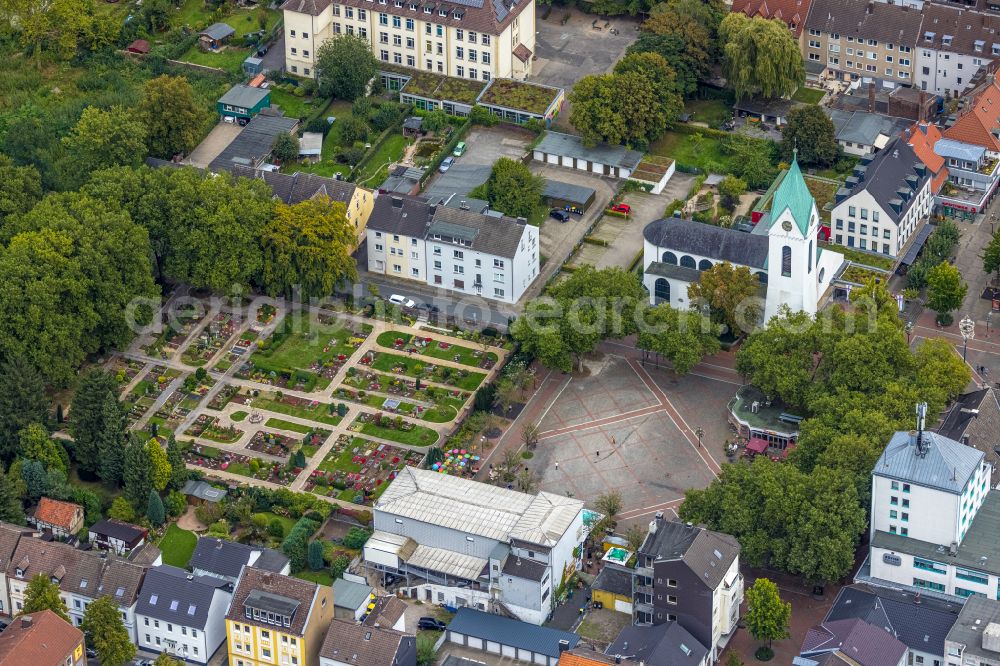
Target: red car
621, 208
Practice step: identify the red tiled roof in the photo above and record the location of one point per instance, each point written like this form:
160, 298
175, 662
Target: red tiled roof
522, 53
792, 12
922, 137
138, 46
976, 125
55, 512
575, 659
45, 640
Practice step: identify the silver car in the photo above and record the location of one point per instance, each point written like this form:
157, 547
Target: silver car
446, 164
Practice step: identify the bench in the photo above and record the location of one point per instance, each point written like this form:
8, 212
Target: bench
790, 418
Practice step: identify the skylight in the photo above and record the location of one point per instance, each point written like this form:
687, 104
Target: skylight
120, 592
173, 605
191, 609
152, 599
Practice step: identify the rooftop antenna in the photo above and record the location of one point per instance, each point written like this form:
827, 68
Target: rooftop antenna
921, 422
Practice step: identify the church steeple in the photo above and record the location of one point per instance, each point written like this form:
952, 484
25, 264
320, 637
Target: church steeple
793, 195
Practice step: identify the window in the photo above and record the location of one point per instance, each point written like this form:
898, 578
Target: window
498, 277
409, 24
383, 19
460, 71
292, 33
397, 22
459, 52
383, 55
671, 582
305, 54
410, 61
458, 254
906, 487
786, 261
486, 40
486, 57
671, 599
895, 485
459, 269
459, 34
410, 42
397, 40
498, 292
295, 51
472, 55
852, 211
473, 73
396, 268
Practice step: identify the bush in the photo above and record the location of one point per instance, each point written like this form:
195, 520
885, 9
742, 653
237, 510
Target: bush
276, 529
351, 155
353, 130
362, 107
355, 538
299, 91
318, 125
309, 86
481, 116
385, 117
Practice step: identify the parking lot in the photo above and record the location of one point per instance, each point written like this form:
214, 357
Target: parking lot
221, 136
568, 52
484, 146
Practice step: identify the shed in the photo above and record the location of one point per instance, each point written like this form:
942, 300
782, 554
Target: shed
243, 101
413, 126
765, 110
613, 588
653, 172
495, 634
350, 600
568, 150
200, 492
558, 194
140, 46
311, 144
216, 35
253, 65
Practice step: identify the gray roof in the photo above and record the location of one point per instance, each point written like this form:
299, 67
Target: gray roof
118, 530
402, 179
293, 188
227, 558
202, 489
979, 550
218, 31
361, 645
879, 20
959, 150
400, 214
863, 127
886, 172
614, 580
864, 643
173, 595
975, 417
667, 644
253, 144
921, 624
977, 614
570, 145
947, 465
707, 240
766, 106
708, 554
522, 567
503, 630
452, 660
348, 594
244, 96
575, 194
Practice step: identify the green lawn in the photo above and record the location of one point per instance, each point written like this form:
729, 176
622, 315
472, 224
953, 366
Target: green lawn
320, 414
343, 462
238, 416
704, 152
860, 257
376, 168
808, 95
294, 107
177, 546
328, 166
194, 13
386, 362
466, 355
282, 424
715, 112
301, 349
419, 436
286, 522
322, 577
230, 59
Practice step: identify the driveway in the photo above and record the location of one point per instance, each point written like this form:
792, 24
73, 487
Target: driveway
566, 52
274, 59
213, 144
484, 146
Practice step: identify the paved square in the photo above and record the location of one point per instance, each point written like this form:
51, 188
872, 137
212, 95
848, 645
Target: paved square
613, 388
566, 52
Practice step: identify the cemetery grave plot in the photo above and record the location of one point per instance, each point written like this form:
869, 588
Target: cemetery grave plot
124, 370
238, 352
176, 327
149, 388
225, 395
212, 338
426, 346
208, 427
394, 428
431, 403
410, 366
359, 470
306, 360
272, 443
211, 458
279, 403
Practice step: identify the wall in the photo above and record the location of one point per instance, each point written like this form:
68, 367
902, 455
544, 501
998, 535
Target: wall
816, 48
190, 642
435, 535
905, 573
525, 264
934, 513
840, 224
947, 72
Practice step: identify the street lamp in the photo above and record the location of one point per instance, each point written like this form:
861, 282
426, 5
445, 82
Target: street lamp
967, 328
699, 433
909, 332
989, 317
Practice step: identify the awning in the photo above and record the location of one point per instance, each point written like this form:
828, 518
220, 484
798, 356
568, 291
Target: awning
757, 445
522, 53
918, 242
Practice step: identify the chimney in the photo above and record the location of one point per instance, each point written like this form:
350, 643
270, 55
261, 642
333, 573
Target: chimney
922, 109
397, 202
563, 645
871, 97
26, 621
433, 209
218, 544
659, 516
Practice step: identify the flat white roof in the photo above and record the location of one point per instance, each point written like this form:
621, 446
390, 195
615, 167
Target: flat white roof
479, 508
447, 562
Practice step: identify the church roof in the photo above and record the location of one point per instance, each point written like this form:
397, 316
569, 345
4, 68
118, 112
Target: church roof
795, 196
707, 240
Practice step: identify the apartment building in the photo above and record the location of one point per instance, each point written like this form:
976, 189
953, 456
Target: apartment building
462, 543
884, 202
691, 576
10, 535
860, 39
277, 620
461, 251
225, 559
792, 13
468, 39
954, 44
974, 640
41, 639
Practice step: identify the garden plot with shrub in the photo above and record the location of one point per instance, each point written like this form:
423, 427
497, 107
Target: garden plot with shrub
431, 403
420, 368
290, 405
213, 338
394, 428
448, 351
358, 470
145, 393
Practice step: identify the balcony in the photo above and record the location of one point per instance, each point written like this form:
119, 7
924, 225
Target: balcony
647, 572
644, 589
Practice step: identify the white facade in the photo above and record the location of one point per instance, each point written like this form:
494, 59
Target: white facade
726, 600
948, 73
403, 33
936, 574
76, 605
189, 643
861, 221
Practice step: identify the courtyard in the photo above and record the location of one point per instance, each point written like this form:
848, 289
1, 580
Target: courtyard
583, 44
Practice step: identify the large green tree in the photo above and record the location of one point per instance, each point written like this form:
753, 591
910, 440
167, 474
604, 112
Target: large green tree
20, 188
43, 594
22, 402
991, 256
35, 444
732, 293
60, 27
767, 615
88, 416
810, 132
686, 34
106, 632
11, 509
760, 56
179, 473
344, 66
137, 478
111, 440
155, 511
512, 188
106, 138
174, 120
308, 245
945, 290
683, 337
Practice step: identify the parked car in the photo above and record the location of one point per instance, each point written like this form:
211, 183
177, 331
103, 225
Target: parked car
91, 653
622, 208
262, 50
431, 624
560, 215
431, 308
459, 149
402, 301
446, 164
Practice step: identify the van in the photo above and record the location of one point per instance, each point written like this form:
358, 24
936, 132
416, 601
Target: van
459, 149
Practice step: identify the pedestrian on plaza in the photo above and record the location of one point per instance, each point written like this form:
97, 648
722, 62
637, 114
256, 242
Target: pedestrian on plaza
557, 465
598, 454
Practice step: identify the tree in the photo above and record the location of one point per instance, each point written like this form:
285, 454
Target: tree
159, 466
285, 147
173, 117
610, 504
308, 245
529, 434
767, 615
87, 422
121, 510
179, 474
426, 650
339, 566
682, 337
111, 442
344, 67
512, 188
732, 294
991, 256
11, 509
730, 190
61, 27
155, 510
751, 159
42, 594
673, 49
687, 31
810, 132
945, 291
634, 536
166, 660
22, 402
34, 477
20, 188
105, 138
526, 481
354, 130
137, 481
778, 358
106, 632
315, 557
37, 445
761, 56
356, 538
435, 120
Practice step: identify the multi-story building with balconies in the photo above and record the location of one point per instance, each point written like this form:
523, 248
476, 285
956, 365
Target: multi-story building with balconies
468, 39
689, 575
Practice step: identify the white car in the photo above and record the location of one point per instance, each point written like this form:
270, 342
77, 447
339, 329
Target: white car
402, 301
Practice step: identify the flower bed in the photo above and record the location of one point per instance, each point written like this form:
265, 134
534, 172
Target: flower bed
211, 458
448, 351
168, 342
394, 429
238, 351
440, 405
417, 367
271, 443
124, 370
211, 340
358, 470
146, 392
226, 394
208, 427
314, 410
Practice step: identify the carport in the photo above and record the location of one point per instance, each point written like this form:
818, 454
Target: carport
568, 150
495, 634
558, 195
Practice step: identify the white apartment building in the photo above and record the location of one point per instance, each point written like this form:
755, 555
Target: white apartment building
182, 614
461, 251
473, 39
954, 44
934, 518
884, 202
464, 543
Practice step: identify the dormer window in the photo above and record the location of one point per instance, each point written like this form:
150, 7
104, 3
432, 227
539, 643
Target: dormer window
20, 572
946, 40
928, 36
443, 12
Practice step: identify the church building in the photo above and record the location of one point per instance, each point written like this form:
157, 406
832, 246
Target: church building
782, 250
